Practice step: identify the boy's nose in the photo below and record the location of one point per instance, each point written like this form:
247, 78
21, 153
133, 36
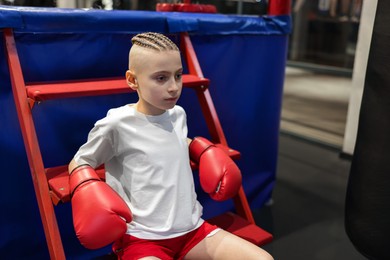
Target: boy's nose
174, 86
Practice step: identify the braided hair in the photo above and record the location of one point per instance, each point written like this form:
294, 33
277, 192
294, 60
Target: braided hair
154, 41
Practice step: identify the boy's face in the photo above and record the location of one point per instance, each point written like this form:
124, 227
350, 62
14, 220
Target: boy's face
157, 77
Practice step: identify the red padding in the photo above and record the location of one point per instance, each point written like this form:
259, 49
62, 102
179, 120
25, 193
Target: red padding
186, 8
279, 7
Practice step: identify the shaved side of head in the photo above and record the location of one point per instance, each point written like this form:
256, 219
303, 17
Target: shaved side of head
145, 44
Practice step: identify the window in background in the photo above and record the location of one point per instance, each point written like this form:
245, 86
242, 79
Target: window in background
324, 33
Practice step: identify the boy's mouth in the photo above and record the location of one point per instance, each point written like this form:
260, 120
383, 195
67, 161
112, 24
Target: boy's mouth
172, 99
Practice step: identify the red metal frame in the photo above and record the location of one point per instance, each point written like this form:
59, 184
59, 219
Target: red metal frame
34, 156
204, 97
211, 117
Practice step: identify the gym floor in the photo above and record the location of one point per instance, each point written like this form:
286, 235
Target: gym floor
307, 213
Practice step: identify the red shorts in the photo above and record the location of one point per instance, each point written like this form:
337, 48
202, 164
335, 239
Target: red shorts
129, 247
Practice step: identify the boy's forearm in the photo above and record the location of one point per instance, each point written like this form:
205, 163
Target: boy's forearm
72, 165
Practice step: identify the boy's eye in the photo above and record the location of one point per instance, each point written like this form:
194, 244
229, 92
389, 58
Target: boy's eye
161, 78
179, 76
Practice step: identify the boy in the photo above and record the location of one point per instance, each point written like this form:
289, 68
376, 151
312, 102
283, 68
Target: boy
144, 148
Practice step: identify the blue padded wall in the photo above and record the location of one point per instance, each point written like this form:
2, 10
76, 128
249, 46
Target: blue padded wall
244, 57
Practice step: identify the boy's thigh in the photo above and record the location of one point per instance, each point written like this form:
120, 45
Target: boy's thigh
225, 245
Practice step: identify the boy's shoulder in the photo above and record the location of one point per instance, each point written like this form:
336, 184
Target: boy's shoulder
115, 115
119, 111
178, 109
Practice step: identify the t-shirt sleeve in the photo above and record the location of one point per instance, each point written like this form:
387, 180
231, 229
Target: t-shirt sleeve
99, 147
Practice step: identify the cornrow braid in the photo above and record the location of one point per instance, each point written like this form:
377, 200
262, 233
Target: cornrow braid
154, 41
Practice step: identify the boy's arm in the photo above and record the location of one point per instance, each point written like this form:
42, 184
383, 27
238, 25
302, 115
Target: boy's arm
99, 213
72, 165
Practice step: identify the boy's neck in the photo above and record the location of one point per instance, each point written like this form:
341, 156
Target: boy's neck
139, 109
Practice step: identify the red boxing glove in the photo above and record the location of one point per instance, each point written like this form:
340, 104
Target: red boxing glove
99, 213
219, 175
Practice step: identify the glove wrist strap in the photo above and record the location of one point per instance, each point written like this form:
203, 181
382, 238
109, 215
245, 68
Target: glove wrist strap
80, 175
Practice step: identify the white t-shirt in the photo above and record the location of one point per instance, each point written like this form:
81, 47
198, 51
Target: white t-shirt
147, 163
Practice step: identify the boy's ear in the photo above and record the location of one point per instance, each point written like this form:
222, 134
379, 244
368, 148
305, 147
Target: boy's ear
131, 80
